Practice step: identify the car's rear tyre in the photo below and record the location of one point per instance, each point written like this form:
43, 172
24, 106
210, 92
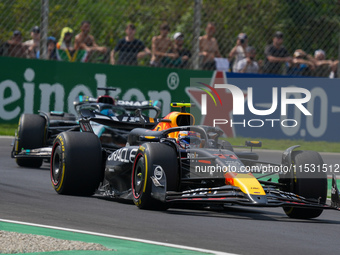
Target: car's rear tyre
306, 182
76, 163
31, 135
148, 157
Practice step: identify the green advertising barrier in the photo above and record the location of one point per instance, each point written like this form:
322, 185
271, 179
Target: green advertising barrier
28, 85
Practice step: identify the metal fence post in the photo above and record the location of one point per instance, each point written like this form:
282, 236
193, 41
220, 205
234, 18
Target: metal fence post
44, 29
196, 29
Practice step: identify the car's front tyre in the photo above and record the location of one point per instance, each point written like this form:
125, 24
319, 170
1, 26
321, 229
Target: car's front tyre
148, 157
76, 163
307, 180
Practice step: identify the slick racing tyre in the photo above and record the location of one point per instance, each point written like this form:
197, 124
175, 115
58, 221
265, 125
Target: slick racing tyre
306, 182
31, 135
149, 157
76, 163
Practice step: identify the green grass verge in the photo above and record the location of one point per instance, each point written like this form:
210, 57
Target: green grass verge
8, 129
320, 146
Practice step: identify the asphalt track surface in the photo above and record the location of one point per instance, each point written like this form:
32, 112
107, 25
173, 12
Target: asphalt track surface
27, 195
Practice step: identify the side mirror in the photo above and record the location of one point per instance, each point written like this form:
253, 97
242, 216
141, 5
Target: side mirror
253, 143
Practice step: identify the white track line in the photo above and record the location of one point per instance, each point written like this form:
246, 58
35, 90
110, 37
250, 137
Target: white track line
120, 237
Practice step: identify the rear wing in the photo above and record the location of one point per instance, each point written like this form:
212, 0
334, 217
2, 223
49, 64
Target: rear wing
124, 121
140, 106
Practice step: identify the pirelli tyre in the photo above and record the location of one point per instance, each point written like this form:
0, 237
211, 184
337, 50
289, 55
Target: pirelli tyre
148, 157
76, 163
31, 135
308, 180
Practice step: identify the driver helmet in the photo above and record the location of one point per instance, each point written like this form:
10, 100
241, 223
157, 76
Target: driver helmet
108, 112
189, 139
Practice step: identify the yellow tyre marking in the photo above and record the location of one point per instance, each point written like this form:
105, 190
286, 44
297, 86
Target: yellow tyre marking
62, 178
17, 139
290, 211
63, 162
146, 173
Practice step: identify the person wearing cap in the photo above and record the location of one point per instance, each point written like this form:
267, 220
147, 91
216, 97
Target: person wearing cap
52, 48
14, 47
208, 48
248, 64
160, 46
276, 55
238, 53
17, 36
300, 65
324, 67
85, 41
33, 45
129, 48
180, 55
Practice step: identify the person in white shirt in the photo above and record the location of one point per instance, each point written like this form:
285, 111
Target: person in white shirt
239, 51
248, 64
33, 45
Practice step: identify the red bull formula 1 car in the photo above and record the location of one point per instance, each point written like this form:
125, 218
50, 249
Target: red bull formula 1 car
177, 162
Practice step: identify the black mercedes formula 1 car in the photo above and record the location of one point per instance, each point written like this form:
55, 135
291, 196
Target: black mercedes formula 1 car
177, 162
36, 132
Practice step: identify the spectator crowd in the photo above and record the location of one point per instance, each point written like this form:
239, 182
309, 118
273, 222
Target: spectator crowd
169, 51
